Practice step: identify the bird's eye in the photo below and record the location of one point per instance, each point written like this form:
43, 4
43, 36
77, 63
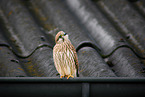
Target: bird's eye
65, 34
60, 36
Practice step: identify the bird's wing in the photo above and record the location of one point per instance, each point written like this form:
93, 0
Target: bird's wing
76, 60
75, 56
56, 58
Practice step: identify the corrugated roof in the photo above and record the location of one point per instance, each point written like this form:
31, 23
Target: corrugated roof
108, 35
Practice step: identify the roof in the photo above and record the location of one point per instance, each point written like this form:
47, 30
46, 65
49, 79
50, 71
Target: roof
109, 37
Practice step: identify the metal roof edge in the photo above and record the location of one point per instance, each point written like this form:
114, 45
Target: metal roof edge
83, 79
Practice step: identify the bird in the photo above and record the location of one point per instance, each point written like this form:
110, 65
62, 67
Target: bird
65, 56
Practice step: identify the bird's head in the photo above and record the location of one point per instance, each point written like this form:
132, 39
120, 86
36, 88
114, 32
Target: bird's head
61, 37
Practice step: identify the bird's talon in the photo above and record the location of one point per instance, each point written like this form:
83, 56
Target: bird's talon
61, 76
66, 76
70, 76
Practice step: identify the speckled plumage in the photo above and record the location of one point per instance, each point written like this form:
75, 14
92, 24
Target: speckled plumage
65, 56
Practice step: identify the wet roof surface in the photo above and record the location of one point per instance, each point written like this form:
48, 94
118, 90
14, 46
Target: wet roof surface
107, 34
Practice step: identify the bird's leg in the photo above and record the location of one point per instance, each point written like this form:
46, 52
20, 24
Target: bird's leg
62, 76
66, 76
70, 76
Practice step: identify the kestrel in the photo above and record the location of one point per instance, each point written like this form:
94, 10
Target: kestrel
65, 56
